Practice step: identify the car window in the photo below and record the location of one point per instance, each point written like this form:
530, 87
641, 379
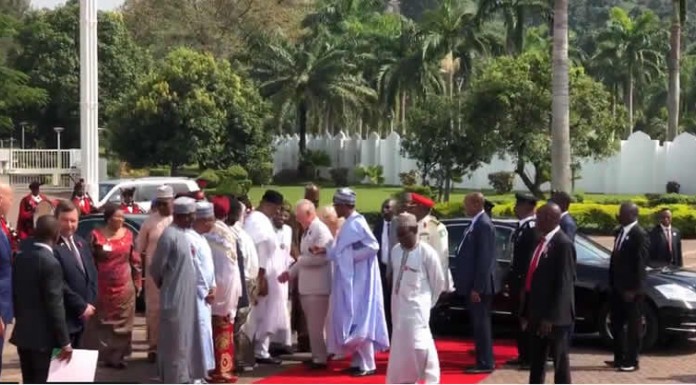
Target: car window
86, 226
104, 189
502, 239
179, 188
145, 192
589, 253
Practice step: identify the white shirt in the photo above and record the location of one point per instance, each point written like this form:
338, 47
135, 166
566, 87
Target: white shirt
564, 214
384, 241
261, 231
45, 246
251, 258
528, 219
624, 233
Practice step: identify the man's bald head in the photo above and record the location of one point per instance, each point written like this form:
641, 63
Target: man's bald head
628, 213
6, 198
473, 203
312, 194
548, 217
305, 212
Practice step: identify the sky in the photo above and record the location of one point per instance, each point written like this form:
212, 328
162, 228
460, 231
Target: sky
101, 4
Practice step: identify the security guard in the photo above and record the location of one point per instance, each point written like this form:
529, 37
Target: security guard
524, 240
432, 232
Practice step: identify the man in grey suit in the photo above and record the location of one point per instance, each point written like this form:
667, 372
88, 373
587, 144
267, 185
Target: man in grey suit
475, 278
314, 273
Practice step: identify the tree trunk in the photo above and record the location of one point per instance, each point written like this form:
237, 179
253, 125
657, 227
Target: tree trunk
519, 29
629, 100
560, 106
302, 126
403, 112
673, 66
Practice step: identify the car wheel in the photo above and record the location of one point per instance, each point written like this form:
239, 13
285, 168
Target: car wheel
650, 331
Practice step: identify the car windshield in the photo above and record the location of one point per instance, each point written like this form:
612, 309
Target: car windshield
590, 252
104, 189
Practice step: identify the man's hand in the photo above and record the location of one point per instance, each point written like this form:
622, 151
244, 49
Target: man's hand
474, 297
629, 296
545, 328
284, 277
89, 312
523, 323
317, 250
65, 353
262, 286
210, 297
2, 328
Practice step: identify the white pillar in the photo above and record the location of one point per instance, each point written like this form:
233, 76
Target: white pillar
89, 103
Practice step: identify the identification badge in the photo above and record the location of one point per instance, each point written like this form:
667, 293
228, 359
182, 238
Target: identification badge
107, 247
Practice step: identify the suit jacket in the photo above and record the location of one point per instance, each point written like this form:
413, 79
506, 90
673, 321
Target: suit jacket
627, 266
476, 260
659, 249
313, 271
392, 241
38, 300
6, 309
569, 227
552, 294
80, 286
524, 240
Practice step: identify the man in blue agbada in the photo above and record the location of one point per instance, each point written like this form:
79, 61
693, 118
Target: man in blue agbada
357, 325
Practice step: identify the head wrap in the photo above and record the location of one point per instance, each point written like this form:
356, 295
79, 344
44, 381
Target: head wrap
422, 201
184, 205
406, 220
221, 205
273, 197
204, 210
165, 192
344, 196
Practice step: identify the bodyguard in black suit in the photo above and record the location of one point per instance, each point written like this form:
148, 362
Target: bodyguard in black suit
382, 232
475, 278
568, 225
38, 301
79, 272
665, 242
548, 305
626, 282
524, 241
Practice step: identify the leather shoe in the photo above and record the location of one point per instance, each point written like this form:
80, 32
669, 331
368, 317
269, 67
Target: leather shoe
363, 373
315, 365
269, 361
475, 370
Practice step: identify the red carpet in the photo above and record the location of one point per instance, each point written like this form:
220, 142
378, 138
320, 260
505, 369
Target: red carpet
453, 354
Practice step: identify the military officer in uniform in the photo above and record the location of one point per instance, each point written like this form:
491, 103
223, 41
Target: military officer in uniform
525, 239
432, 232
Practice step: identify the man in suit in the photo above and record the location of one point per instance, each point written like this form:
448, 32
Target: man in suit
6, 310
382, 231
665, 242
524, 241
38, 299
475, 278
548, 303
79, 271
626, 282
568, 225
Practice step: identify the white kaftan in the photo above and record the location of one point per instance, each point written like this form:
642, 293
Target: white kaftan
282, 262
418, 282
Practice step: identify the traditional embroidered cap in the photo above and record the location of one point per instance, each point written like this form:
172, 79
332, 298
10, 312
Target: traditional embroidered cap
204, 210
421, 200
406, 220
184, 205
273, 197
165, 192
221, 205
526, 198
344, 196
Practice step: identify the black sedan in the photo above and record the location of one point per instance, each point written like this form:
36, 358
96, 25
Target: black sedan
133, 222
669, 311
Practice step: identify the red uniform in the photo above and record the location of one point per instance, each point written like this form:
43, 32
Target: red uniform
132, 208
25, 220
84, 204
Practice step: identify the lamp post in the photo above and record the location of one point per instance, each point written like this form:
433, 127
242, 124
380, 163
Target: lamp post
58, 130
23, 125
89, 96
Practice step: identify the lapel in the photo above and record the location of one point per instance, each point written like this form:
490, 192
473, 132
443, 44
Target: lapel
66, 249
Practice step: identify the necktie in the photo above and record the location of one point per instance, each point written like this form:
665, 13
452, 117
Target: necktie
619, 240
533, 265
76, 253
401, 271
668, 235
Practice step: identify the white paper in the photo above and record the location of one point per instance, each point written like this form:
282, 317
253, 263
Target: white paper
81, 368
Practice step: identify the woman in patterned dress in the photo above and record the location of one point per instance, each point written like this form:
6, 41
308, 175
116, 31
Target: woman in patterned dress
119, 277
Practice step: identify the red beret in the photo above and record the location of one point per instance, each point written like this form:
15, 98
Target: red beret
221, 206
421, 200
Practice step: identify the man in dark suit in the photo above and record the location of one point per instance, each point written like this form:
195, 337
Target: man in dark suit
6, 310
38, 300
79, 271
548, 305
382, 231
475, 278
524, 241
626, 282
568, 225
665, 242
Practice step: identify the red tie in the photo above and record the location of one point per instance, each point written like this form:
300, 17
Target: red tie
533, 265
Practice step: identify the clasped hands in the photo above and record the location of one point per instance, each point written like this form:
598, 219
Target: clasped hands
544, 330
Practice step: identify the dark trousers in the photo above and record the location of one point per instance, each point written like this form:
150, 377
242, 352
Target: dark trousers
521, 335
626, 328
480, 316
34, 365
386, 295
76, 339
557, 342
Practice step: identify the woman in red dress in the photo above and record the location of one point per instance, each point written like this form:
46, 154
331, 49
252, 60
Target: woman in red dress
119, 277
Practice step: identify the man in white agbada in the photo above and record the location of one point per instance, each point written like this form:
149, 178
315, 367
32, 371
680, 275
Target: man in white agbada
205, 284
269, 314
418, 283
282, 261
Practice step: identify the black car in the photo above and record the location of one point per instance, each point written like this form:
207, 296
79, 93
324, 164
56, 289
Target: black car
133, 223
669, 311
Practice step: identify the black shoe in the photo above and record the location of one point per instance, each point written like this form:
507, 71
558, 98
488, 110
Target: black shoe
476, 370
316, 366
627, 368
516, 362
363, 373
269, 361
612, 364
350, 370
524, 366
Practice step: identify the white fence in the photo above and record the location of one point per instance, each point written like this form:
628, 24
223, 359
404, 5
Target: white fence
641, 166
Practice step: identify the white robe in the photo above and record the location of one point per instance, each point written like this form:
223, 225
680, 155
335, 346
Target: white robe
418, 282
283, 260
203, 261
269, 316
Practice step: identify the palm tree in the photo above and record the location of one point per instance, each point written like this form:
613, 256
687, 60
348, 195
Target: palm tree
678, 15
561, 177
311, 75
514, 14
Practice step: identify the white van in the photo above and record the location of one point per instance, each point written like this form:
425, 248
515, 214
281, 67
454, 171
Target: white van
145, 189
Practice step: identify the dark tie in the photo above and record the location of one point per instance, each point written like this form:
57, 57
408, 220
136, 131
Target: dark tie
244, 298
617, 242
76, 253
